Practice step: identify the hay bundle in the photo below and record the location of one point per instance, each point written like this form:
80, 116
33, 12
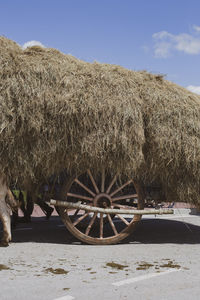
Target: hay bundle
59, 112
172, 131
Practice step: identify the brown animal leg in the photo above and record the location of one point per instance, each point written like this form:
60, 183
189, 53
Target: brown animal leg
4, 214
5, 218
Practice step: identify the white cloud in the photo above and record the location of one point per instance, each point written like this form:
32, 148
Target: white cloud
166, 43
162, 49
196, 28
32, 43
194, 89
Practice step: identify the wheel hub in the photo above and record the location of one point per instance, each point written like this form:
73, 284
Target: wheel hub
102, 200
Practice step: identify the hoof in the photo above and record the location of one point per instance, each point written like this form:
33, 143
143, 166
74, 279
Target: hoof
4, 244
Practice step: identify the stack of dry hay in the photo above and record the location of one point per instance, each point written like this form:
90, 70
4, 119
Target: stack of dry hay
59, 112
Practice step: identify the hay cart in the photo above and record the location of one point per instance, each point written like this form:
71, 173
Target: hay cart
81, 115
102, 209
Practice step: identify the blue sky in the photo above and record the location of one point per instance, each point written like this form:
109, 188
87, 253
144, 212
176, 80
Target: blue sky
161, 36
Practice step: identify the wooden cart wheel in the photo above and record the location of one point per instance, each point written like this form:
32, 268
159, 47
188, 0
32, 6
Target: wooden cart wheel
106, 192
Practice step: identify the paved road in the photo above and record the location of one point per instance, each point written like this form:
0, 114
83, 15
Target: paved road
160, 261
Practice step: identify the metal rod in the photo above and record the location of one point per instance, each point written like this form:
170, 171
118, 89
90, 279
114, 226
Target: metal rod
111, 210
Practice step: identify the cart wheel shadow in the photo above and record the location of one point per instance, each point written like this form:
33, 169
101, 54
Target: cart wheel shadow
149, 231
159, 231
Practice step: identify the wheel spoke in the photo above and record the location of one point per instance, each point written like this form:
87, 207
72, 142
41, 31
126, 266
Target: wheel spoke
112, 225
121, 187
81, 218
124, 220
79, 196
93, 181
103, 180
91, 223
111, 184
101, 225
85, 187
125, 197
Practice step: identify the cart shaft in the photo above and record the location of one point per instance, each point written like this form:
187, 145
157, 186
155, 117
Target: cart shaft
80, 206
